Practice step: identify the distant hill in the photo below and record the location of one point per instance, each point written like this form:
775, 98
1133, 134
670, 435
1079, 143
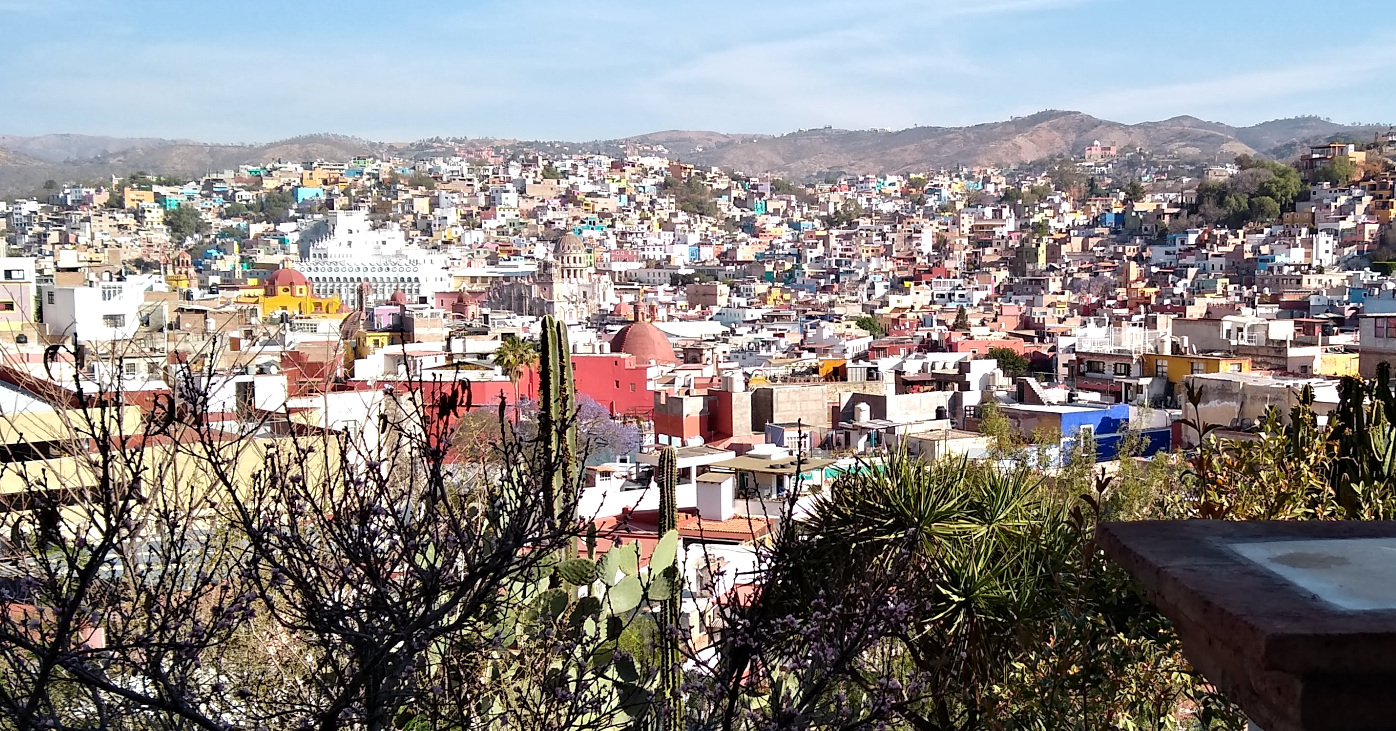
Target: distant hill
25, 162
1022, 140
60, 148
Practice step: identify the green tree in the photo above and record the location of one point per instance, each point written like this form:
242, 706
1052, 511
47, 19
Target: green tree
1339, 171
277, 205
1134, 191
236, 233
994, 424
1066, 177
184, 222
514, 356
550, 172
961, 319
780, 186
422, 180
870, 325
1012, 364
1264, 208
50, 184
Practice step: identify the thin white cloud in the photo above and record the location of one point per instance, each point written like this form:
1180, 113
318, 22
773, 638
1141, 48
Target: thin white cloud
1237, 96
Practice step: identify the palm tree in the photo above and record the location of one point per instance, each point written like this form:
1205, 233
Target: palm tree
514, 356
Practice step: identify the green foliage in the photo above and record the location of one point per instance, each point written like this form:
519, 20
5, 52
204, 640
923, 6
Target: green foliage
514, 356
1258, 194
1012, 364
692, 196
1066, 177
1134, 191
234, 233
551, 173
1339, 171
1003, 614
993, 423
1296, 470
184, 222
277, 205
847, 214
780, 186
961, 322
870, 325
421, 180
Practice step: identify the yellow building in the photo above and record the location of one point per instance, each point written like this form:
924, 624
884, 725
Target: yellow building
1338, 364
287, 290
1178, 367
134, 197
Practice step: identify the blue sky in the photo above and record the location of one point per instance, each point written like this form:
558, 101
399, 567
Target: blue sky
253, 71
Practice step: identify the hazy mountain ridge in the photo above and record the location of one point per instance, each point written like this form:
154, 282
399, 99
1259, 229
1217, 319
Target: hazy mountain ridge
25, 162
20, 172
1013, 142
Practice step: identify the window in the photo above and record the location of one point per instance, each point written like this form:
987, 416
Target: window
1236, 368
632, 388
1380, 327
1095, 366
1199, 367
7, 306
129, 367
14, 274
617, 385
971, 412
1161, 368
113, 321
110, 293
1122, 369
50, 298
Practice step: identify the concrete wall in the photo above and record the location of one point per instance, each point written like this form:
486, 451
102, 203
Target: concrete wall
807, 403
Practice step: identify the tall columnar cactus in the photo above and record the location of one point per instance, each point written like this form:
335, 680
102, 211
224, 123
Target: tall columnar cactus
557, 418
669, 660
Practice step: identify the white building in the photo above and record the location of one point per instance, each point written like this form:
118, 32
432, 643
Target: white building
345, 251
97, 311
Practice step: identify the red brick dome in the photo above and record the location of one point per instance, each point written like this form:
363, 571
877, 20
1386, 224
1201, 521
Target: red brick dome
287, 278
644, 341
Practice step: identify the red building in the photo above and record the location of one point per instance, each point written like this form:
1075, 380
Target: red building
957, 343
617, 381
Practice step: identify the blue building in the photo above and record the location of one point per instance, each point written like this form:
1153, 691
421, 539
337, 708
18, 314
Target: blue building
1071, 423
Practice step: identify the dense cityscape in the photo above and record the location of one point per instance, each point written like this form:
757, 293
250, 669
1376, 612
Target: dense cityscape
1007, 365
696, 366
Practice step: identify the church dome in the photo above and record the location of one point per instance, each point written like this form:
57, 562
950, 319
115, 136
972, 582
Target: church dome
287, 278
644, 341
570, 243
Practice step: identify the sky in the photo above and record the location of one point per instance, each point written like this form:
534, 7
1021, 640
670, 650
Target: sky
257, 71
